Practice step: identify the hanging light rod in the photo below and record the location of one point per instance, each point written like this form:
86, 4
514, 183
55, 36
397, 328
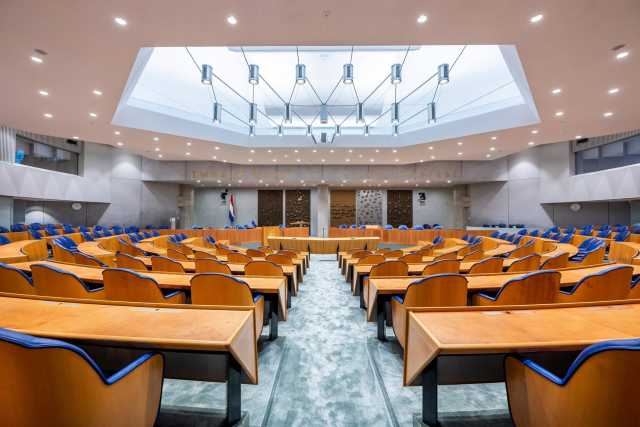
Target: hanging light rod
254, 74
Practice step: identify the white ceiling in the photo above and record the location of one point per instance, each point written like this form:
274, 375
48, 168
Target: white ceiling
569, 48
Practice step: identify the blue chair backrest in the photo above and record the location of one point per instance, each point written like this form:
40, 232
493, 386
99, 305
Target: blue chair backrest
437, 227
486, 225
96, 234
51, 226
546, 234
362, 227
388, 227
621, 237
18, 227
566, 238
503, 236
603, 234
510, 237
35, 226
282, 226
127, 230
354, 226
116, 231
603, 228
228, 226
522, 232
518, 238
556, 236
135, 228
150, 227
586, 232
87, 236
534, 233
68, 230
495, 234
139, 236
502, 225
4, 230
586, 243
4, 240
636, 231
83, 228
621, 229
526, 276
595, 245
466, 237
246, 226
177, 237
35, 234
163, 227
426, 226
183, 236
107, 233
570, 230
155, 233
133, 237
240, 227
418, 227
196, 227
98, 227
254, 224
437, 240
403, 227
479, 239
472, 239
52, 232
146, 234
554, 229
172, 239
66, 224
210, 239
519, 225
585, 227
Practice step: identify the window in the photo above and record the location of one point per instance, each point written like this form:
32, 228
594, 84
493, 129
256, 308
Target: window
44, 156
609, 156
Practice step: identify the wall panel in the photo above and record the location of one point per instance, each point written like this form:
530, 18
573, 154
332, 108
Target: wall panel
343, 207
269, 207
400, 207
298, 206
369, 207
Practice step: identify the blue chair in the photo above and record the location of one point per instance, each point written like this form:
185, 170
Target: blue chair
517, 239
354, 226
554, 229
388, 227
522, 232
545, 235
282, 226
593, 247
68, 379
502, 225
155, 233
607, 285
586, 232
196, 227
403, 227
68, 230
35, 234
246, 226
68, 242
178, 237
240, 227
4, 230
603, 234
556, 236
51, 226
437, 227
150, 227
621, 237
362, 227
52, 232
146, 234
98, 227
636, 231
172, 239
66, 224
133, 237
585, 227
228, 226
479, 239
127, 230
183, 236
426, 226
603, 228
87, 236
510, 237
418, 227
96, 234
18, 227
139, 236
117, 231
135, 228
163, 227
495, 234
210, 239
55, 282
519, 225
35, 226
534, 233
566, 238
82, 228
4, 240
546, 283
486, 225
107, 233
621, 229
503, 236
586, 243
571, 230
466, 237
596, 391
254, 224
471, 239
437, 240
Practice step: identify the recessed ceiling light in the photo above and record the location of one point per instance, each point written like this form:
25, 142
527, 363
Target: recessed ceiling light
294, 151
321, 181
534, 131
494, 137
75, 137
286, 155
188, 143
347, 160
559, 113
372, 160
396, 160
250, 160
344, 181
488, 155
359, 155
239, 181
159, 155
611, 91
97, 92
556, 91
274, 160
536, 18
199, 181
268, 151
323, 160
281, 181
47, 115
422, 18
531, 143
406, 181
377, 151
217, 148
607, 114
620, 55
188, 154
332, 151
351, 151
121, 21
578, 136
93, 114
430, 148
395, 151
224, 161
299, 160
433, 157
117, 133
232, 20
218, 180
448, 181
119, 143
36, 59
428, 182
493, 148
44, 93
157, 149
215, 158
252, 151
314, 151
260, 180
155, 139
385, 182
459, 154
459, 143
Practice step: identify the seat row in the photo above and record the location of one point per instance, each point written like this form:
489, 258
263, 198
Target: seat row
401, 227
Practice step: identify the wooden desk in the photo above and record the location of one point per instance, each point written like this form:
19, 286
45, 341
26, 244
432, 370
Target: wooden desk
625, 252
382, 289
273, 288
17, 236
23, 250
187, 330
453, 346
234, 236
342, 233
317, 245
294, 232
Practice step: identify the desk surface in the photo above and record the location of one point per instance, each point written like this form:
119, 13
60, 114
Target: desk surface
23, 250
153, 328
476, 330
319, 245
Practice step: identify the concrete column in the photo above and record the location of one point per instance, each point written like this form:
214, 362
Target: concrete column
462, 202
323, 210
185, 204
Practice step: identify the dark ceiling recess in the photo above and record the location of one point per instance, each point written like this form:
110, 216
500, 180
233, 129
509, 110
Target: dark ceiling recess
40, 51
620, 46
582, 140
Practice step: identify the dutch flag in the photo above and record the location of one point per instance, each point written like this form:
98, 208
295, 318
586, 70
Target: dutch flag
232, 212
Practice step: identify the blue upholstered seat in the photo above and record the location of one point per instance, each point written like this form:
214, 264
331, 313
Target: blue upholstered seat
522, 232
426, 226
495, 234
502, 225
133, 237
566, 238
51, 226
66, 224
557, 236
135, 228
603, 234
155, 233
603, 228
35, 234
594, 246
620, 229
18, 227
282, 226
586, 227
68, 273
503, 236
388, 227
35, 226
586, 243
254, 224
107, 233
600, 273
4, 230
466, 237
82, 228
519, 225
127, 230
510, 237
163, 227
437, 227
87, 237
150, 227
196, 227
586, 232
98, 227
117, 231
183, 236
68, 230
554, 229
403, 227
570, 230
52, 232
4, 240
621, 237
240, 227
517, 239
96, 234
534, 233
362, 227
228, 226
471, 239
139, 236
166, 294
636, 231
486, 225
437, 240
418, 227
147, 235
354, 226
546, 234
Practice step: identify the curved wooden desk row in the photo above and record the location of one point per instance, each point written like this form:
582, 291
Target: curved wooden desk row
317, 245
23, 250
440, 350
204, 343
625, 252
402, 237
236, 237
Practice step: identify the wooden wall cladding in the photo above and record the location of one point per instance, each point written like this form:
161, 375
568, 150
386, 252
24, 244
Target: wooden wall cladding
343, 207
269, 208
369, 207
400, 208
298, 206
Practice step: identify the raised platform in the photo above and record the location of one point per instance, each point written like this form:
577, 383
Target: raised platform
317, 245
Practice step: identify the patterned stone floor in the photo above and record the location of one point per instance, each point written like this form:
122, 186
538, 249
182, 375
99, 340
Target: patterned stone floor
328, 369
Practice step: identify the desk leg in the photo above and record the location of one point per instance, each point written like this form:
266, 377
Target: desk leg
430, 394
382, 316
234, 380
360, 285
289, 290
273, 317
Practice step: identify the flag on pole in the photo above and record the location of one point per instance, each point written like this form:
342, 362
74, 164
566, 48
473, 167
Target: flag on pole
232, 212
